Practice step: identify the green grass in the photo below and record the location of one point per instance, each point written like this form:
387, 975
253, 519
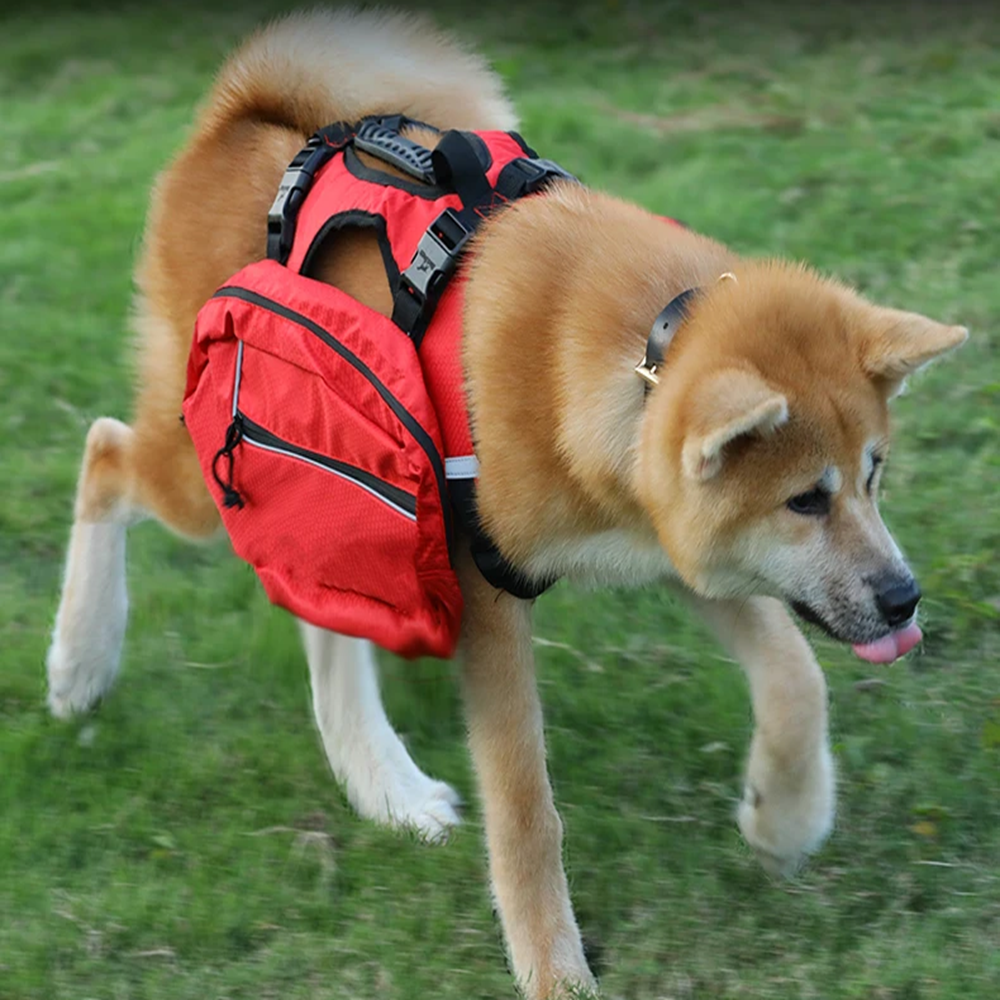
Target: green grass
186, 840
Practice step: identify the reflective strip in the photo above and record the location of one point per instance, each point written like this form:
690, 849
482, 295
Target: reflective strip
461, 467
236, 380
335, 472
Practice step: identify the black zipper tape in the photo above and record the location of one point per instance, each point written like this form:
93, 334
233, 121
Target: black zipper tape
254, 434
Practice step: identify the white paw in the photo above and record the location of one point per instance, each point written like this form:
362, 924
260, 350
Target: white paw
786, 816
431, 813
410, 800
79, 679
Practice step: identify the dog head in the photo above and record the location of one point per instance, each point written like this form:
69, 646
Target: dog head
763, 446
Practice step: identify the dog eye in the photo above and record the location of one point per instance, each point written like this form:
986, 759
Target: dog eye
815, 503
876, 462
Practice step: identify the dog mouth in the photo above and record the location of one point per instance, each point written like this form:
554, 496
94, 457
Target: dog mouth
886, 649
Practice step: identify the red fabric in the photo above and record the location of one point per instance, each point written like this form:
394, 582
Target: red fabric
324, 547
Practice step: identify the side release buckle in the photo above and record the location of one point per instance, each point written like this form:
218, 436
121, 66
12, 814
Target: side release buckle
295, 184
421, 284
526, 176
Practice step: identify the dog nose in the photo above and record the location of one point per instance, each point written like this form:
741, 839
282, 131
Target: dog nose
898, 600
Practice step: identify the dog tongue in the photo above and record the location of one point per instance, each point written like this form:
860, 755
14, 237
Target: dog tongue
890, 647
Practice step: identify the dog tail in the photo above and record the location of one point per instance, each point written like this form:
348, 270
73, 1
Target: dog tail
312, 68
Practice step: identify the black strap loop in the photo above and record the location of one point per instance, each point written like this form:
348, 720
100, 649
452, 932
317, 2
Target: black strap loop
457, 165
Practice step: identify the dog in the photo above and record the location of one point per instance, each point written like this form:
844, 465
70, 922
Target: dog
742, 469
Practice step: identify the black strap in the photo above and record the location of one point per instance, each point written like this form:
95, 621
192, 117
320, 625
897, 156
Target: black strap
497, 571
523, 177
457, 166
421, 284
665, 327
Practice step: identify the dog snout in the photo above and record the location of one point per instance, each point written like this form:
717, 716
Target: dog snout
897, 599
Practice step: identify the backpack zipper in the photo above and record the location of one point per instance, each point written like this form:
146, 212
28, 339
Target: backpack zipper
392, 496
405, 417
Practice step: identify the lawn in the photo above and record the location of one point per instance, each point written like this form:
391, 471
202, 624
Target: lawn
186, 840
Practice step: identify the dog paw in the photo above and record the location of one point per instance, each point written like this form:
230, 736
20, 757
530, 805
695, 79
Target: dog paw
785, 815
433, 815
76, 683
411, 801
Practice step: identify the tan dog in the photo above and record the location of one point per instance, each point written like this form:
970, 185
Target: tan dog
748, 474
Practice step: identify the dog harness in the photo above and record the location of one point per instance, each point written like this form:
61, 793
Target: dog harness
335, 441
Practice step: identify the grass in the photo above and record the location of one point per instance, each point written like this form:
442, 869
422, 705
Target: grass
186, 840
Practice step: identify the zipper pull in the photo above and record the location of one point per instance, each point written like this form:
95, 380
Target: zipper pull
234, 434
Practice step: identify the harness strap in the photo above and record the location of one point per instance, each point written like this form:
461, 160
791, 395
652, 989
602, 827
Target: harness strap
496, 570
456, 165
295, 184
421, 284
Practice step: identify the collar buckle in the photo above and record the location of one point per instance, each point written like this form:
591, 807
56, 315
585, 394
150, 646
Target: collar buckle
665, 326
647, 372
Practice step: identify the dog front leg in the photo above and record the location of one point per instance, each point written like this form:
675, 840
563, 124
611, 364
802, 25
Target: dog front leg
788, 803
523, 830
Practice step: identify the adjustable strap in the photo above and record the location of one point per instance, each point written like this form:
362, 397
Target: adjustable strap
523, 177
421, 284
295, 184
456, 165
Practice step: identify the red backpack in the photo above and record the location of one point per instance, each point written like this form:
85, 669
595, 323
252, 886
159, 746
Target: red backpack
339, 456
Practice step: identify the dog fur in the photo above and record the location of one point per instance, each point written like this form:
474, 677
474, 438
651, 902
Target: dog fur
777, 381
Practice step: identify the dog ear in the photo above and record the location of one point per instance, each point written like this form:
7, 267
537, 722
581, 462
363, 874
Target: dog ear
730, 404
903, 342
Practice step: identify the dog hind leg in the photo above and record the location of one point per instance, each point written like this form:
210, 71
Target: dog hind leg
128, 473
367, 756
86, 644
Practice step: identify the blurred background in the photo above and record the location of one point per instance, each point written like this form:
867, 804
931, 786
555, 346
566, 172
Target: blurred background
187, 841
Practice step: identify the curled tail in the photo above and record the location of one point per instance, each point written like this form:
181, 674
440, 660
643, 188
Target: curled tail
312, 68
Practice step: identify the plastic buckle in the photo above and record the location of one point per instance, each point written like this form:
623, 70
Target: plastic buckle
295, 184
436, 257
526, 176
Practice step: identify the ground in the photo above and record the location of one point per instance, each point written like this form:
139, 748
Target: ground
186, 840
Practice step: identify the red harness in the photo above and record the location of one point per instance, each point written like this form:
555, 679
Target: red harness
338, 455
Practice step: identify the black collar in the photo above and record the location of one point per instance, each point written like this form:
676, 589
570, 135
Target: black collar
665, 326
